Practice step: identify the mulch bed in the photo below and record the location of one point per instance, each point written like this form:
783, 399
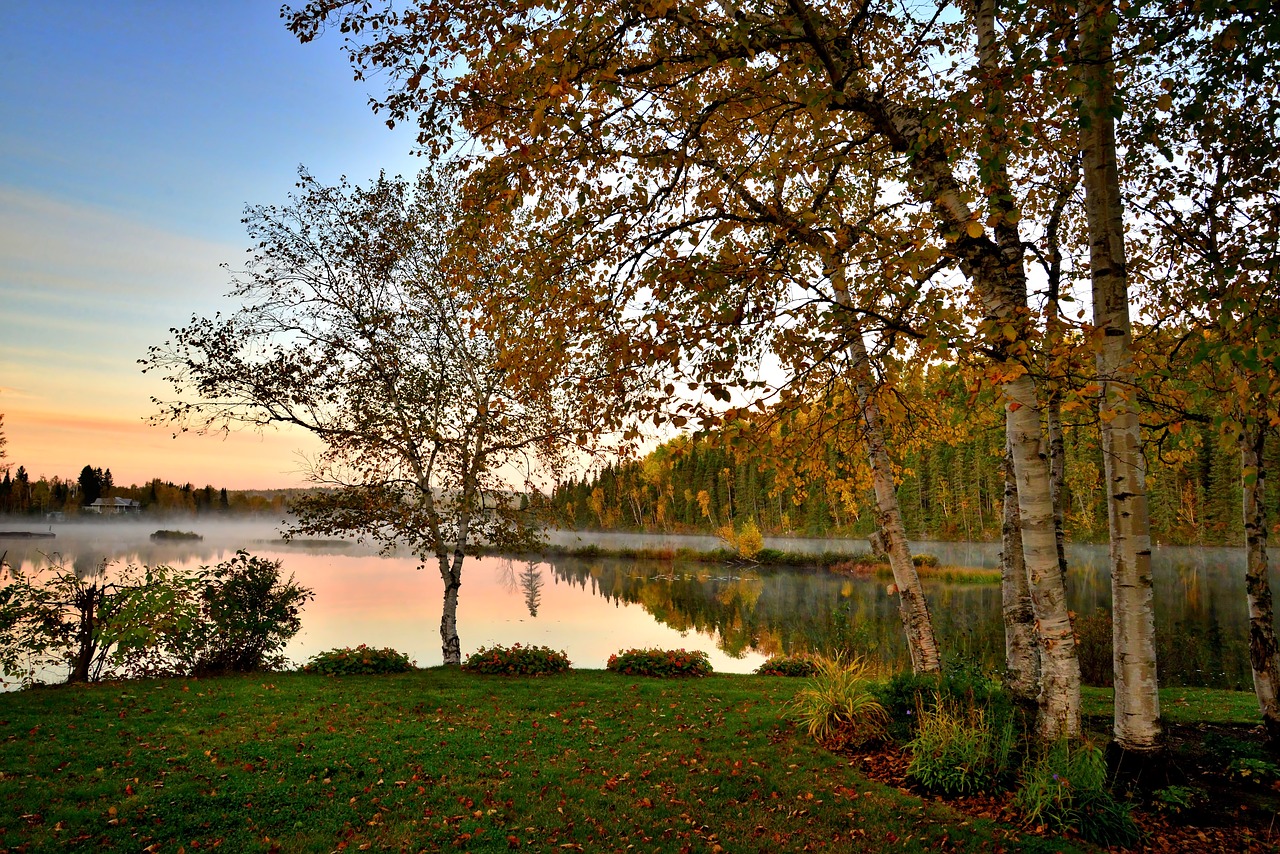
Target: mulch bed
1240, 815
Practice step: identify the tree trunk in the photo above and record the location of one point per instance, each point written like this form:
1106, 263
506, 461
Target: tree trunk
1021, 655
86, 603
1264, 653
914, 610
1055, 345
999, 282
1059, 699
1137, 703
451, 574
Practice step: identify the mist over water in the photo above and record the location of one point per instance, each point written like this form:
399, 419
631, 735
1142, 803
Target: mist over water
594, 607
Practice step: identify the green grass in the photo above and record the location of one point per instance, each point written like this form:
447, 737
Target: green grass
1184, 705
440, 760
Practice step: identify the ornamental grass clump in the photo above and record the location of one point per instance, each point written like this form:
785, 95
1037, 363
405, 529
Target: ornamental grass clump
660, 662
789, 665
961, 749
517, 660
837, 706
360, 660
1065, 787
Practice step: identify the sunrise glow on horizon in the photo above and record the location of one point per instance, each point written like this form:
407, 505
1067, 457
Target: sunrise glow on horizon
125, 168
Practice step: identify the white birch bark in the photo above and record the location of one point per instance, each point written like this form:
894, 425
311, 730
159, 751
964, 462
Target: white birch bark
1264, 652
1137, 700
914, 610
1021, 653
997, 283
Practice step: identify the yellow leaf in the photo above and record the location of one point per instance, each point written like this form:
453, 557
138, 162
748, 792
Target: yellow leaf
975, 229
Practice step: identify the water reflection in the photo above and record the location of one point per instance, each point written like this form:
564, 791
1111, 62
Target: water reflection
738, 615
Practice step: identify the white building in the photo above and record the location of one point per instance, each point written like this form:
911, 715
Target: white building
112, 506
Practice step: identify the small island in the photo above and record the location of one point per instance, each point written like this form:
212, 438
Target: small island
176, 535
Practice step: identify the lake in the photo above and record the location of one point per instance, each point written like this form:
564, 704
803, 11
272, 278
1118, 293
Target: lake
594, 607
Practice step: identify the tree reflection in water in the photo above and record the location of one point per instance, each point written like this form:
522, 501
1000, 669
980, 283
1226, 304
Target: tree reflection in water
775, 611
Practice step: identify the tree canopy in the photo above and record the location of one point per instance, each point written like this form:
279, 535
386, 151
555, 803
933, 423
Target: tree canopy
358, 322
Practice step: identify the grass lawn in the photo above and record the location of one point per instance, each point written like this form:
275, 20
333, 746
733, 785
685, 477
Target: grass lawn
1183, 705
439, 760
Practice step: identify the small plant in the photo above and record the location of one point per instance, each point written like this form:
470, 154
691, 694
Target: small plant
517, 660
660, 662
1175, 799
837, 706
1252, 768
789, 665
1066, 788
959, 749
360, 660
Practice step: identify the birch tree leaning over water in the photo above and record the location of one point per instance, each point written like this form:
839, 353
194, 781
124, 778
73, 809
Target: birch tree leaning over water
357, 323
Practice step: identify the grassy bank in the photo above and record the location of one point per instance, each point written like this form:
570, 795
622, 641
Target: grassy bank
441, 760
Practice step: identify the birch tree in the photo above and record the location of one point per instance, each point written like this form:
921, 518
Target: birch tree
356, 323
614, 116
1137, 698
1206, 165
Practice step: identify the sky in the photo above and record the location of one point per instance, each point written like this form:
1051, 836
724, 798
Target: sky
133, 136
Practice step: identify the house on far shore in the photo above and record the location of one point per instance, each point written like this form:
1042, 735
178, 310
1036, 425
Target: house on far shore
113, 506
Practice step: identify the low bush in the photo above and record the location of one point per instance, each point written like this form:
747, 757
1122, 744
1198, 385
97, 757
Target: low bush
789, 665
1093, 648
148, 621
517, 660
360, 660
838, 707
1175, 799
660, 662
1066, 788
252, 612
959, 749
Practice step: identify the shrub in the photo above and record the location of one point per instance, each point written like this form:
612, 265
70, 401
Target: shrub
134, 621
1175, 799
148, 621
1093, 648
837, 705
517, 660
1066, 788
251, 615
746, 542
347, 661
660, 662
959, 749
789, 665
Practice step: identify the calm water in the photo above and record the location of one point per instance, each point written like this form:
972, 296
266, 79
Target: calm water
739, 616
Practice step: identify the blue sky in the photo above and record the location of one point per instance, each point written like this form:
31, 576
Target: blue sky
134, 134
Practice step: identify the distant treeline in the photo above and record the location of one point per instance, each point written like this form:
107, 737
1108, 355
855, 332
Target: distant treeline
950, 484
21, 496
